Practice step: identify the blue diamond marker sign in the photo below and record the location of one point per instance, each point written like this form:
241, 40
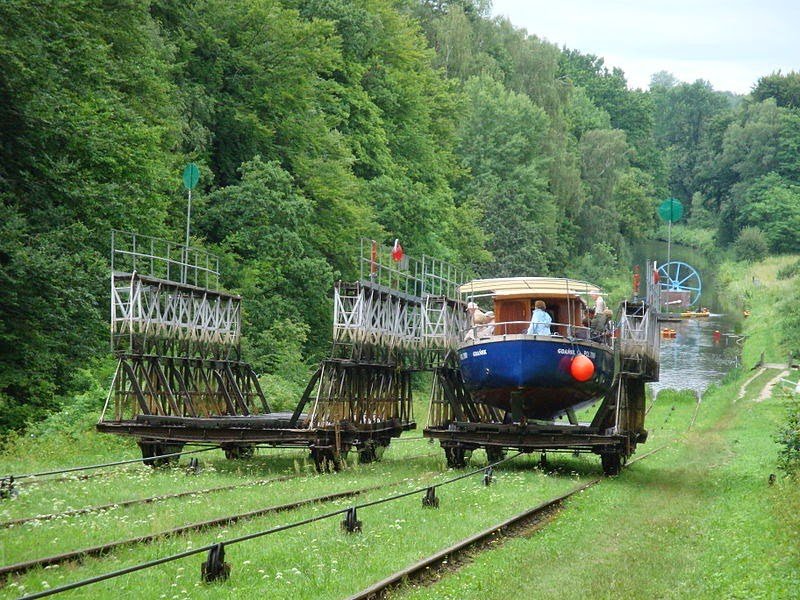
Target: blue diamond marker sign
191, 175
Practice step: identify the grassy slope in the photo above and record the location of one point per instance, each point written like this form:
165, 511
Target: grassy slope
696, 520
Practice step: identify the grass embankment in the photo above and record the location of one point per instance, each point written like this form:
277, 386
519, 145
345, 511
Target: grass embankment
698, 520
315, 561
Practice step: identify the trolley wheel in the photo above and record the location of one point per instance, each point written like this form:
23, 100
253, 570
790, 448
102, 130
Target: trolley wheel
236, 452
371, 451
151, 450
495, 453
457, 457
326, 460
612, 462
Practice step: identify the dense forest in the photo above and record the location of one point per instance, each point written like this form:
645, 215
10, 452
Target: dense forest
318, 122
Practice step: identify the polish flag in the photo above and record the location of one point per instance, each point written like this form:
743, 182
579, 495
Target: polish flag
397, 251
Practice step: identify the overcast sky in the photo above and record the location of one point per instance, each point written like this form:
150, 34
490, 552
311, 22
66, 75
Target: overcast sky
731, 43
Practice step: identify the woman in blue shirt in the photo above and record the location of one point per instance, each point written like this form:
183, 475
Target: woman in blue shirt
540, 320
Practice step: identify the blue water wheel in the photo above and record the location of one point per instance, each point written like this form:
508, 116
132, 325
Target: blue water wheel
677, 276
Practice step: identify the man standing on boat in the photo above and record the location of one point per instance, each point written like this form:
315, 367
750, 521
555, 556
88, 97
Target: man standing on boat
599, 303
540, 320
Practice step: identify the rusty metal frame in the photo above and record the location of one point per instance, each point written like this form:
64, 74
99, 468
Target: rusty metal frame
183, 386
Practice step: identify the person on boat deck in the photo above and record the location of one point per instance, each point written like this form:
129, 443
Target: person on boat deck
598, 324
540, 320
488, 331
478, 317
582, 332
599, 303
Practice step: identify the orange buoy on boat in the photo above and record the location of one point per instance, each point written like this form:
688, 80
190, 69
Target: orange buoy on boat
581, 368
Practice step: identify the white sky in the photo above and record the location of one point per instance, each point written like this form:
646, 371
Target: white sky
729, 43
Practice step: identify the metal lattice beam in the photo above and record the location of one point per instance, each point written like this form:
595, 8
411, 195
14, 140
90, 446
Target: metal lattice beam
183, 387
376, 324
151, 315
361, 393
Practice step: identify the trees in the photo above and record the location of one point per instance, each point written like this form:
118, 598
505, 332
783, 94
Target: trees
772, 204
784, 89
317, 122
87, 133
683, 115
500, 142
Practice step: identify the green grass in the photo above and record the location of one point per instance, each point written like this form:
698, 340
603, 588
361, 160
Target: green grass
317, 558
696, 520
695, 237
756, 287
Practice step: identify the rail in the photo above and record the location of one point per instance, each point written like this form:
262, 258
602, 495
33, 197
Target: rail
418, 277
216, 549
162, 259
639, 330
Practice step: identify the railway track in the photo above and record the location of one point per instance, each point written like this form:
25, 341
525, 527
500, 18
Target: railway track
135, 501
536, 513
522, 521
156, 498
78, 555
102, 549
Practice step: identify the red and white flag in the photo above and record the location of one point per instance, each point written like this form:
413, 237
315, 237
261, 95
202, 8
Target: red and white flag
397, 251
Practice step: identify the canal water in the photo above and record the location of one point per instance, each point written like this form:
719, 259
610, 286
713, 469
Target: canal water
695, 359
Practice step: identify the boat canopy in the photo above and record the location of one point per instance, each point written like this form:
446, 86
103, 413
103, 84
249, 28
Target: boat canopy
550, 287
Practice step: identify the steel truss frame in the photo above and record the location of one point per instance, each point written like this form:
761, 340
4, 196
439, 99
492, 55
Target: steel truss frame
156, 316
178, 344
377, 324
183, 387
361, 393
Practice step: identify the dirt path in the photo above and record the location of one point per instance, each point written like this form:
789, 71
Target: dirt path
766, 392
743, 387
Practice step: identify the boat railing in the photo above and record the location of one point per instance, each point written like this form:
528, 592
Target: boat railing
566, 331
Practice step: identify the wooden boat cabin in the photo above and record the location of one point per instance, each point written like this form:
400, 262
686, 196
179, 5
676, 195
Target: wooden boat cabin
513, 301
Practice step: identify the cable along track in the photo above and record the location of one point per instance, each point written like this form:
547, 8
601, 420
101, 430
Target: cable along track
517, 523
103, 549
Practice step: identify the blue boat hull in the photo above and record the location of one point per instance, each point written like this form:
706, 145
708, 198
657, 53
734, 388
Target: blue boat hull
536, 372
